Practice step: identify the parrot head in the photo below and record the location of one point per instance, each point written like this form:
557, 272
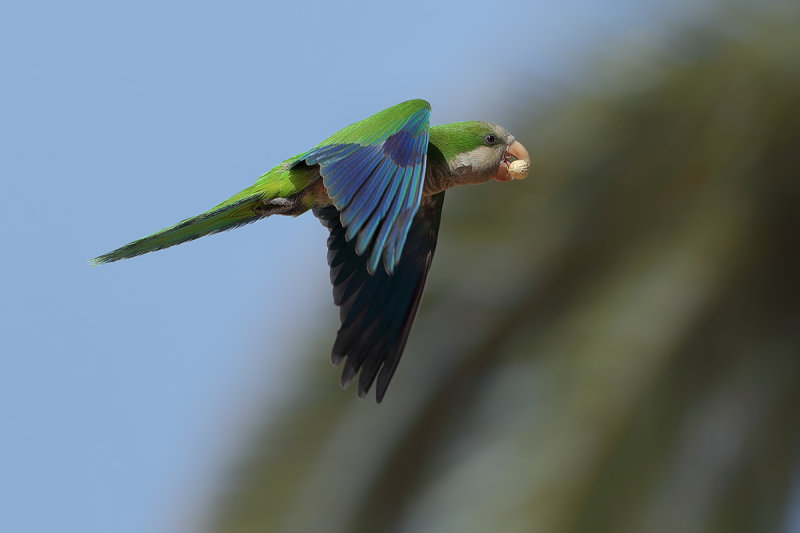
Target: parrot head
477, 152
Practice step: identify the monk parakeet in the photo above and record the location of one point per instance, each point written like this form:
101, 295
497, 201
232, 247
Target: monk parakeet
378, 186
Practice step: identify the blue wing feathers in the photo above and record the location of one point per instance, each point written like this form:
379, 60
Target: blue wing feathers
360, 162
330, 153
401, 148
397, 238
366, 201
404, 214
369, 230
390, 225
387, 225
373, 172
417, 196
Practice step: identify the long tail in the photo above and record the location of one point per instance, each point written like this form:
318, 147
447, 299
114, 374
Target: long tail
227, 215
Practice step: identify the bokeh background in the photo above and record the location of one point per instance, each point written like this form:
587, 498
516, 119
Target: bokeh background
611, 345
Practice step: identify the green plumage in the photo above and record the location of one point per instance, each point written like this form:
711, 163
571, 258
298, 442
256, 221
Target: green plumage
378, 186
381, 124
287, 180
291, 180
242, 208
459, 137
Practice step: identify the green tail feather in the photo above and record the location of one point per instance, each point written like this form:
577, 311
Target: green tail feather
287, 181
221, 218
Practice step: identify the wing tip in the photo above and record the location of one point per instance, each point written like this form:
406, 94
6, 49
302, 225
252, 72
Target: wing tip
421, 103
379, 393
348, 373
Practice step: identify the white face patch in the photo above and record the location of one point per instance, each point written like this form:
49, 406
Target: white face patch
477, 159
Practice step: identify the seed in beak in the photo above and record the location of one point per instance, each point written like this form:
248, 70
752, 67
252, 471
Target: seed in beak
516, 157
518, 169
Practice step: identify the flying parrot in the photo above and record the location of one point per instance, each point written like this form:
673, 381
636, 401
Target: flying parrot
378, 186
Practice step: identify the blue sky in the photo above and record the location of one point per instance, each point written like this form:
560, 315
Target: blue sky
124, 388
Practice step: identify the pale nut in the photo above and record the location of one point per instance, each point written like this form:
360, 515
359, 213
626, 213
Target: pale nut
519, 169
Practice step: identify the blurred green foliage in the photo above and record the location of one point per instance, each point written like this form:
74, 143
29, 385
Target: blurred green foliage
611, 346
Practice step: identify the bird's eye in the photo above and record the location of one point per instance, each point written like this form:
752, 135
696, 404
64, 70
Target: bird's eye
490, 139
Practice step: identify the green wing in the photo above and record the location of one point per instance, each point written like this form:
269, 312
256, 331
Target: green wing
373, 171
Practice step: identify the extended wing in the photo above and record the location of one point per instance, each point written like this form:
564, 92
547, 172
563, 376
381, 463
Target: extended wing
373, 171
376, 310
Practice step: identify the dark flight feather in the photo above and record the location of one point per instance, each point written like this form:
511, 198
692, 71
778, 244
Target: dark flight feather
376, 310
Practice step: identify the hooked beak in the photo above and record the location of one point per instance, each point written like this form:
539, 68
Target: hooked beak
514, 152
